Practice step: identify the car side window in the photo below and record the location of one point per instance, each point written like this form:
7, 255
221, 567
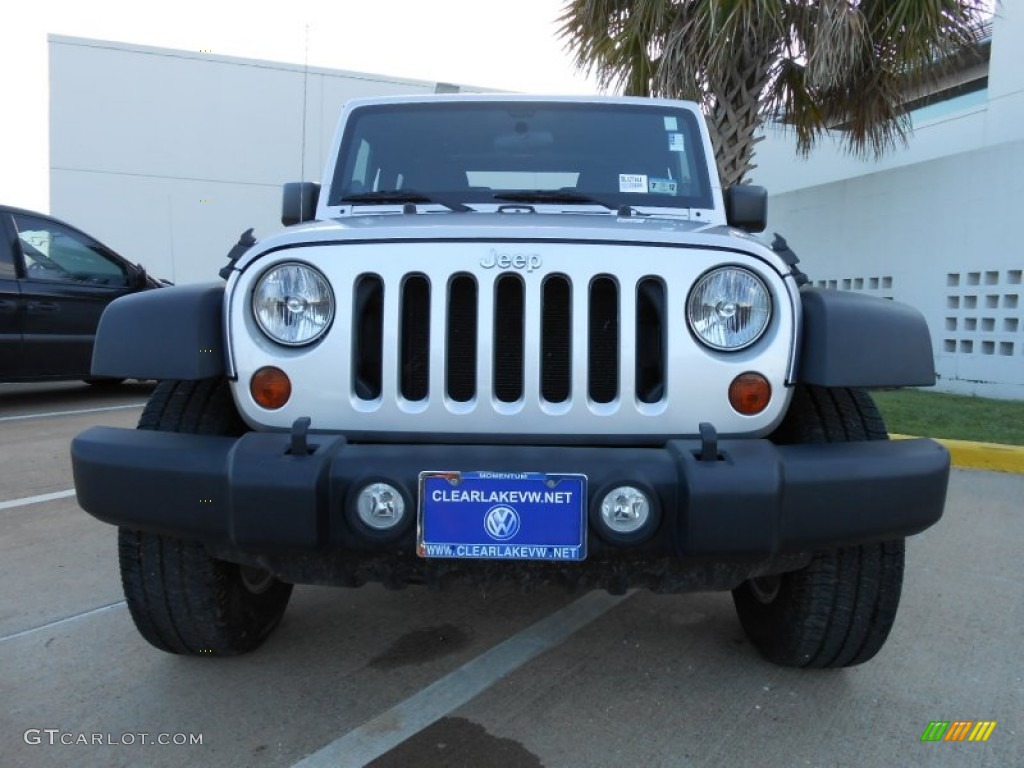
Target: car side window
54, 252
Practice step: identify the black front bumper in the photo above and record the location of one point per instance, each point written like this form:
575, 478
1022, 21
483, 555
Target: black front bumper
249, 497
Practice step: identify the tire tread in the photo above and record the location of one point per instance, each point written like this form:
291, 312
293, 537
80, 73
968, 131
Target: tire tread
181, 599
839, 609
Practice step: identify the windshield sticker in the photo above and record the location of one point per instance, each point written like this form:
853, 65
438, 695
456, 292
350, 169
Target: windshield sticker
671, 124
632, 182
662, 186
676, 142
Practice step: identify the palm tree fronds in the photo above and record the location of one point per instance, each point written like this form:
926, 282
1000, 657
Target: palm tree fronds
819, 65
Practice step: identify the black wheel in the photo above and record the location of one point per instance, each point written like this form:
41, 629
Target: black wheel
181, 599
839, 609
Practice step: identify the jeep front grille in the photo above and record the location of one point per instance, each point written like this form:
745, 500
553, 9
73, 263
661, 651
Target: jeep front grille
500, 314
430, 341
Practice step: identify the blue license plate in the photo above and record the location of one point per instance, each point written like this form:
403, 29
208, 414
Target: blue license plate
502, 515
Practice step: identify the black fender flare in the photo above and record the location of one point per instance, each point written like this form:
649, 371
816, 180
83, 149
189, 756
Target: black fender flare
853, 340
170, 333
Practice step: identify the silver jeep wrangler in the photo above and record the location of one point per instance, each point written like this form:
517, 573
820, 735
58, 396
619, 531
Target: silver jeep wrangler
515, 338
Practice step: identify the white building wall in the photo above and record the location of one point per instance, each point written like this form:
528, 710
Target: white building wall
167, 156
935, 225
1006, 75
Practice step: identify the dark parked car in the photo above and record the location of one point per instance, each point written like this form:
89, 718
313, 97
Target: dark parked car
55, 282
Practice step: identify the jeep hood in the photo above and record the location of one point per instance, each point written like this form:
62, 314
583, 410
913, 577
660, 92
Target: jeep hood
501, 227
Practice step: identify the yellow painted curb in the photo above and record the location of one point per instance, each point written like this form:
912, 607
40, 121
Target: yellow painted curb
990, 456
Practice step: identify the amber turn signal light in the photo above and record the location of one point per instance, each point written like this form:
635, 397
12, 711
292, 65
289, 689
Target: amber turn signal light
749, 393
270, 387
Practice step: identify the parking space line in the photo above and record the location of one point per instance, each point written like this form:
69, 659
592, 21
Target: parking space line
43, 497
50, 414
66, 620
389, 729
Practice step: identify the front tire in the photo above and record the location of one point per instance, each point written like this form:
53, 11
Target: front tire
838, 610
181, 599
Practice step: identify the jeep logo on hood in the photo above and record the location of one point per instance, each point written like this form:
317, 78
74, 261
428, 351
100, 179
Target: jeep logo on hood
527, 261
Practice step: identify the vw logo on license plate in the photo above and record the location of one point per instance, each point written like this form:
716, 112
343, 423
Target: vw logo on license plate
501, 523
502, 515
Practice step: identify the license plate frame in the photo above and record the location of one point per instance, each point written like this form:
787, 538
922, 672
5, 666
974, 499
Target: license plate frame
488, 515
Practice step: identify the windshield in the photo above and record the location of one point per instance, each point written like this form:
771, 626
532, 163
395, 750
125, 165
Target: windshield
480, 152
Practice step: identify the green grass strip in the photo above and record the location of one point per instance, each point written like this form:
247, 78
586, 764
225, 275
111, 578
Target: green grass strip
936, 414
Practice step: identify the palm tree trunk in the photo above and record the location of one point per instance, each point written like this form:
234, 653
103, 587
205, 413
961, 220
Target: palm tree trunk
733, 109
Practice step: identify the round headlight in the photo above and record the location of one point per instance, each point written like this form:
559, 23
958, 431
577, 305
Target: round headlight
729, 308
293, 304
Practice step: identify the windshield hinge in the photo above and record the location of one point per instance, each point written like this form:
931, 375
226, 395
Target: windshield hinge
245, 242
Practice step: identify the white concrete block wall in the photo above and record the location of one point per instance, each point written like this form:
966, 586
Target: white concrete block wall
940, 236
936, 225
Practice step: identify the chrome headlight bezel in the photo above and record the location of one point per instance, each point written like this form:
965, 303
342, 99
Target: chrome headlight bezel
289, 289
717, 297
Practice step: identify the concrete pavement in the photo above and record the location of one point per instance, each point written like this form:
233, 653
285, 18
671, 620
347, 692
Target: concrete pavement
652, 680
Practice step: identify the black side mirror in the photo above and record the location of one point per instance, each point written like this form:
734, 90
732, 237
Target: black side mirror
299, 203
746, 207
139, 278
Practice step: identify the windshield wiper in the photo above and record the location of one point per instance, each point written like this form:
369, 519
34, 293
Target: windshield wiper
399, 196
551, 196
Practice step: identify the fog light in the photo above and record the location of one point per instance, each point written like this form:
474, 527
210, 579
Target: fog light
270, 387
750, 393
625, 509
380, 506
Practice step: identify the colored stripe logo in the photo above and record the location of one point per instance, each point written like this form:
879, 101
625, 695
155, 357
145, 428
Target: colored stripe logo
958, 730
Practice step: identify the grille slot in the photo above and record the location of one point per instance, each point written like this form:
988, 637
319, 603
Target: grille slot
603, 341
368, 329
462, 333
508, 338
556, 339
650, 341
415, 338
